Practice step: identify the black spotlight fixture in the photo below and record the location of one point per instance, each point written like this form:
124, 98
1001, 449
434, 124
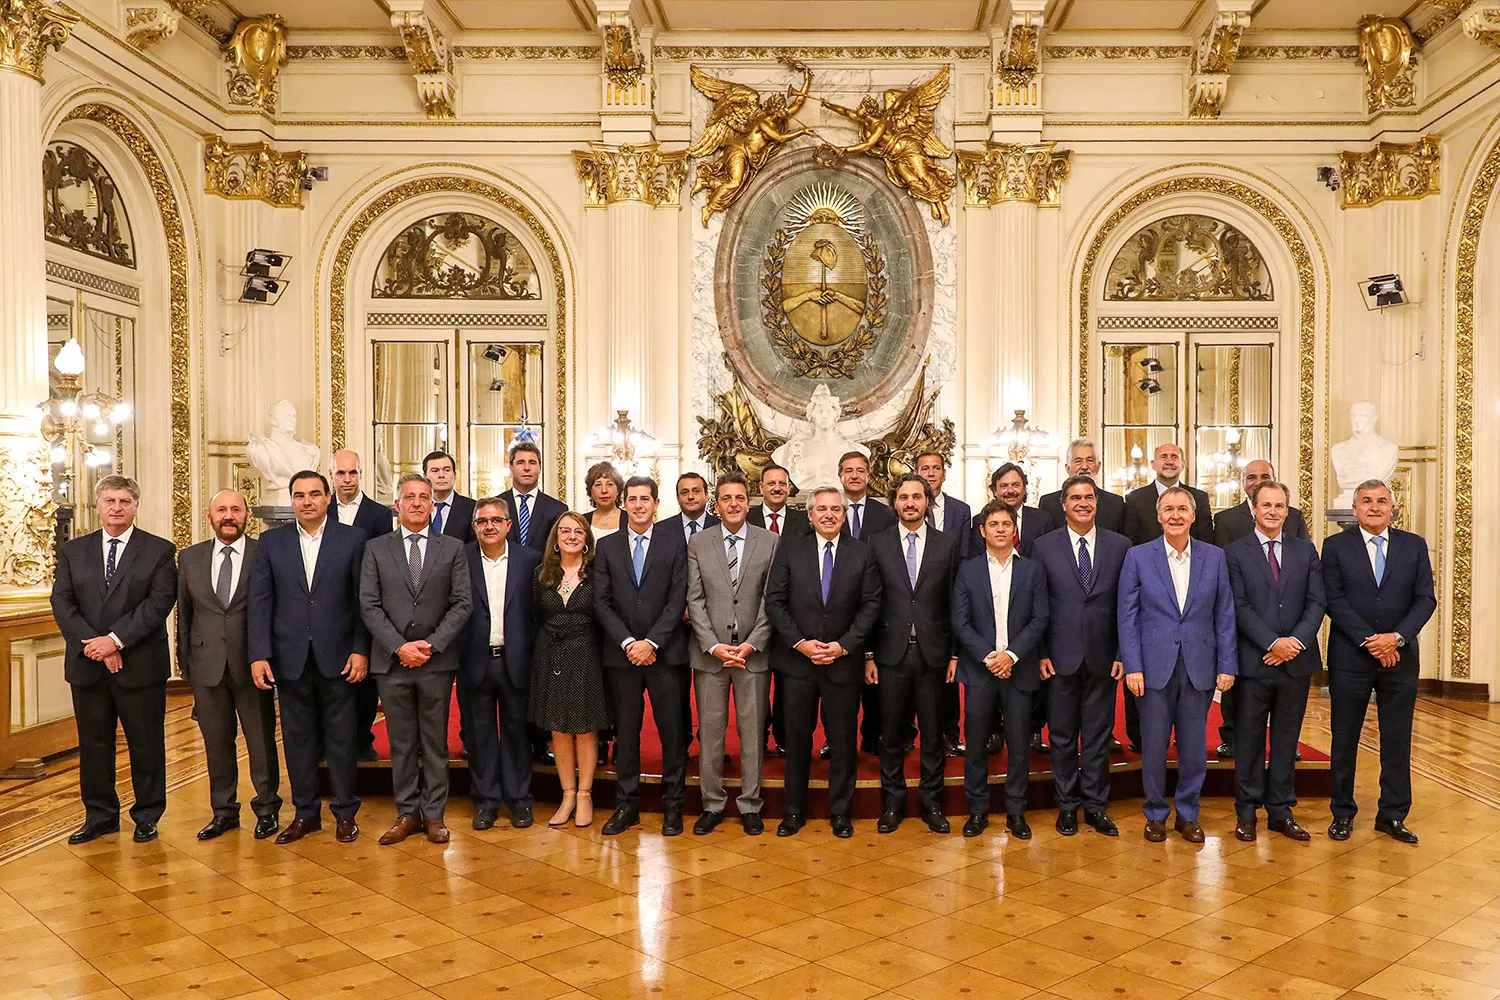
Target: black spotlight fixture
1383, 291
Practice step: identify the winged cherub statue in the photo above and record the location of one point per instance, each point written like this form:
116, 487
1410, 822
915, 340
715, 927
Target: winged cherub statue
902, 133
744, 132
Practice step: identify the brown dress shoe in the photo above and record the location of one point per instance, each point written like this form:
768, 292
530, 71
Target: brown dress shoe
347, 831
437, 832
1156, 830
1190, 830
1245, 830
297, 829
404, 827
1288, 828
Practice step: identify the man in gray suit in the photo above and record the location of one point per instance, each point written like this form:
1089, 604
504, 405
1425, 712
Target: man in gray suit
213, 584
414, 596
727, 568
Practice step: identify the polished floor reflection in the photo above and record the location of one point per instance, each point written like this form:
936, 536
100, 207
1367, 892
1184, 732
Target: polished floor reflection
542, 913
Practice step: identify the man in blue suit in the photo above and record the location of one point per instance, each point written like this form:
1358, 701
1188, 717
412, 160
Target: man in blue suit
1081, 654
496, 668
998, 639
307, 638
951, 516
1177, 642
1278, 600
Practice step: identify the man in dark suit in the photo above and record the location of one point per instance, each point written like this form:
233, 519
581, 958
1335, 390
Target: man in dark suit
999, 622
452, 512
782, 521
911, 656
414, 597
306, 637
1278, 601
1083, 460
823, 599
1230, 525
951, 516
111, 596
496, 668
692, 517
213, 586
1379, 585
353, 508
1081, 654
864, 518
640, 594
1177, 642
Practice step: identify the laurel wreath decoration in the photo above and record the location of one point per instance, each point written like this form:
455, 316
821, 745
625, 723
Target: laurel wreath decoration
806, 360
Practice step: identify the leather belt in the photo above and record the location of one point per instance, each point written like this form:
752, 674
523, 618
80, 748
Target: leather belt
496, 652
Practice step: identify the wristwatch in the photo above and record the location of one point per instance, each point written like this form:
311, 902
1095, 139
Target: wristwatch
1400, 640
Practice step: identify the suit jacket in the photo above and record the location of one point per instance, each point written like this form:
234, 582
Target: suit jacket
519, 629
927, 607
792, 520
1141, 524
1265, 610
1025, 621
1034, 524
1109, 509
876, 517
211, 637
794, 603
395, 612
651, 610
957, 517
1082, 625
544, 514
680, 520
458, 521
376, 518
1233, 523
288, 620
1359, 607
1153, 633
713, 605
134, 606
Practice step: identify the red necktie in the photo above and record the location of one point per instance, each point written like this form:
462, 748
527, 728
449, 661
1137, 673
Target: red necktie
774, 529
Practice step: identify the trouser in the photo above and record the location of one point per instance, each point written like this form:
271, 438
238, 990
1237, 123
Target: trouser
314, 705
1132, 718
1229, 713
837, 702
142, 712
499, 742
367, 705
950, 714
416, 717
870, 726
1034, 711
775, 716
979, 714
1081, 714
1279, 700
712, 691
908, 687
1181, 708
1395, 703
630, 685
220, 709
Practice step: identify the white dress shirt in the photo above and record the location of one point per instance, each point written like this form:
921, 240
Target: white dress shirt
1162, 487
495, 571
236, 563
780, 514
822, 542
347, 512
936, 507
1000, 574
310, 544
1181, 565
849, 506
1370, 547
124, 539
688, 531
1092, 538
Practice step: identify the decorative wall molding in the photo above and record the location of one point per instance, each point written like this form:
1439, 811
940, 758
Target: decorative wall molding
148, 22
1189, 323
397, 53
1018, 63
97, 282
513, 321
1214, 55
1388, 52
253, 57
690, 53
82, 207
1482, 23
630, 173
430, 56
28, 28
253, 172
1014, 172
1392, 171
26, 512
1112, 52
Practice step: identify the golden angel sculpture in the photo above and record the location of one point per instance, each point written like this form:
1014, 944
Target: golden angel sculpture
744, 132
902, 132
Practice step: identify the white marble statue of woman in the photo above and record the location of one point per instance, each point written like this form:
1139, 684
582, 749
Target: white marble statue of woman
811, 455
1366, 455
279, 455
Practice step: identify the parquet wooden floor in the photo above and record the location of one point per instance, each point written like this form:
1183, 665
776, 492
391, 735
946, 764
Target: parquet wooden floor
543, 914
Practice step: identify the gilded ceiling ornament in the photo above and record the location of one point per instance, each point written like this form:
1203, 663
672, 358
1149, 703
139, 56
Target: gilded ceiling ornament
1392, 171
82, 207
1213, 56
456, 255
148, 22
630, 173
1018, 65
1014, 172
28, 28
1389, 55
1188, 258
622, 59
1482, 23
742, 133
901, 131
253, 172
254, 55
431, 57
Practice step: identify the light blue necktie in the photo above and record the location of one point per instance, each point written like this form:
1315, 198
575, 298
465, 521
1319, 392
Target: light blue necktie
638, 558
525, 517
911, 559
827, 569
1379, 558
437, 518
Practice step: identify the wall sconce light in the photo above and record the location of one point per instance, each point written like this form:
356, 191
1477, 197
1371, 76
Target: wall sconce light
76, 424
632, 451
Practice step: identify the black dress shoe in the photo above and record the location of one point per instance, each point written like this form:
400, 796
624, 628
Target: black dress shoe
1288, 827
752, 825
671, 823
954, 749
890, 821
1115, 746
1134, 747
1244, 831
994, 744
1396, 830
1340, 828
1038, 745
776, 751
146, 832
843, 827
266, 827
622, 819
790, 824
368, 754
975, 824
1224, 750
936, 821
219, 826
706, 823
824, 753
93, 831
299, 828
520, 817
484, 819
1067, 822
1101, 823
1018, 827
541, 755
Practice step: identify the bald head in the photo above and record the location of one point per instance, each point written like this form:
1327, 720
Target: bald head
346, 475
1257, 472
228, 513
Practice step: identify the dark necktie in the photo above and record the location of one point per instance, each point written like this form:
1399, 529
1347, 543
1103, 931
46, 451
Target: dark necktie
437, 518
109, 566
226, 566
1275, 565
827, 569
1085, 565
692, 528
854, 519
414, 561
734, 561
775, 528
524, 517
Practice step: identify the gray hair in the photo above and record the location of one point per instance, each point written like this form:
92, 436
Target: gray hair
1081, 443
412, 477
496, 501
118, 482
1368, 484
1181, 491
825, 489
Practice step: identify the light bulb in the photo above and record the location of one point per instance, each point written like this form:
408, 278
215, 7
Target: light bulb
69, 359
101, 456
91, 411
1136, 453
59, 455
68, 409
121, 412
101, 429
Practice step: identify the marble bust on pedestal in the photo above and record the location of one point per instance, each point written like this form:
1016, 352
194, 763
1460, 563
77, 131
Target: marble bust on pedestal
811, 455
1365, 455
278, 455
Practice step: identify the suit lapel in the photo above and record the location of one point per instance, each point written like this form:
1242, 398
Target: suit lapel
94, 559
1164, 570
476, 573
321, 562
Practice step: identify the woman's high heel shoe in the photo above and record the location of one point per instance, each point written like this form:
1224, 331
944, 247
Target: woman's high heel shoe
564, 810
585, 809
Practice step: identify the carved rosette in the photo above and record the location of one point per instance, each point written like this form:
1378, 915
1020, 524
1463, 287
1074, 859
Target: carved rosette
431, 57
26, 513
253, 58
1213, 57
1014, 172
631, 173
28, 28
148, 22
1388, 52
1482, 23
1391, 172
253, 172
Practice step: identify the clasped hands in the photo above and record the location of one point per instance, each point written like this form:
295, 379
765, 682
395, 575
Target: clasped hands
414, 653
999, 662
641, 653
821, 653
1383, 647
733, 656
103, 649
1283, 649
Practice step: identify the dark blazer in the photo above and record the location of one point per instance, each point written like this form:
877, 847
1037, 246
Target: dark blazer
544, 514
654, 609
957, 517
436, 609
1109, 509
794, 603
458, 520
680, 521
376, 519
1082, 625
1034, 524
793, 519
519, 634
211, 637
1264, 610
927, 607
876, 517
1025, 622
1154, 633
1359, 607
1141, 524
134, 606
288, 620
1233, 523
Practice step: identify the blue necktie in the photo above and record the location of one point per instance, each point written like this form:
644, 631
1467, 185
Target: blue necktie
692, 528
854, 519
525, 517
1379, 558
437, 518
911, 559
109, 567
827, 569
638, 558
1085, 565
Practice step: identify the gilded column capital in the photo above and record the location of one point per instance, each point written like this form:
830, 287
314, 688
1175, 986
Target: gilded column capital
148, 22
1388, 53
28, 28
253, 57
1014, 172
430, 55
253, 172
1482, 23
1391, 171
641, 172
1214, 55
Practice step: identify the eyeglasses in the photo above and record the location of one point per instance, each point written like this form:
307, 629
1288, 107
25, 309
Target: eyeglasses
480, 522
